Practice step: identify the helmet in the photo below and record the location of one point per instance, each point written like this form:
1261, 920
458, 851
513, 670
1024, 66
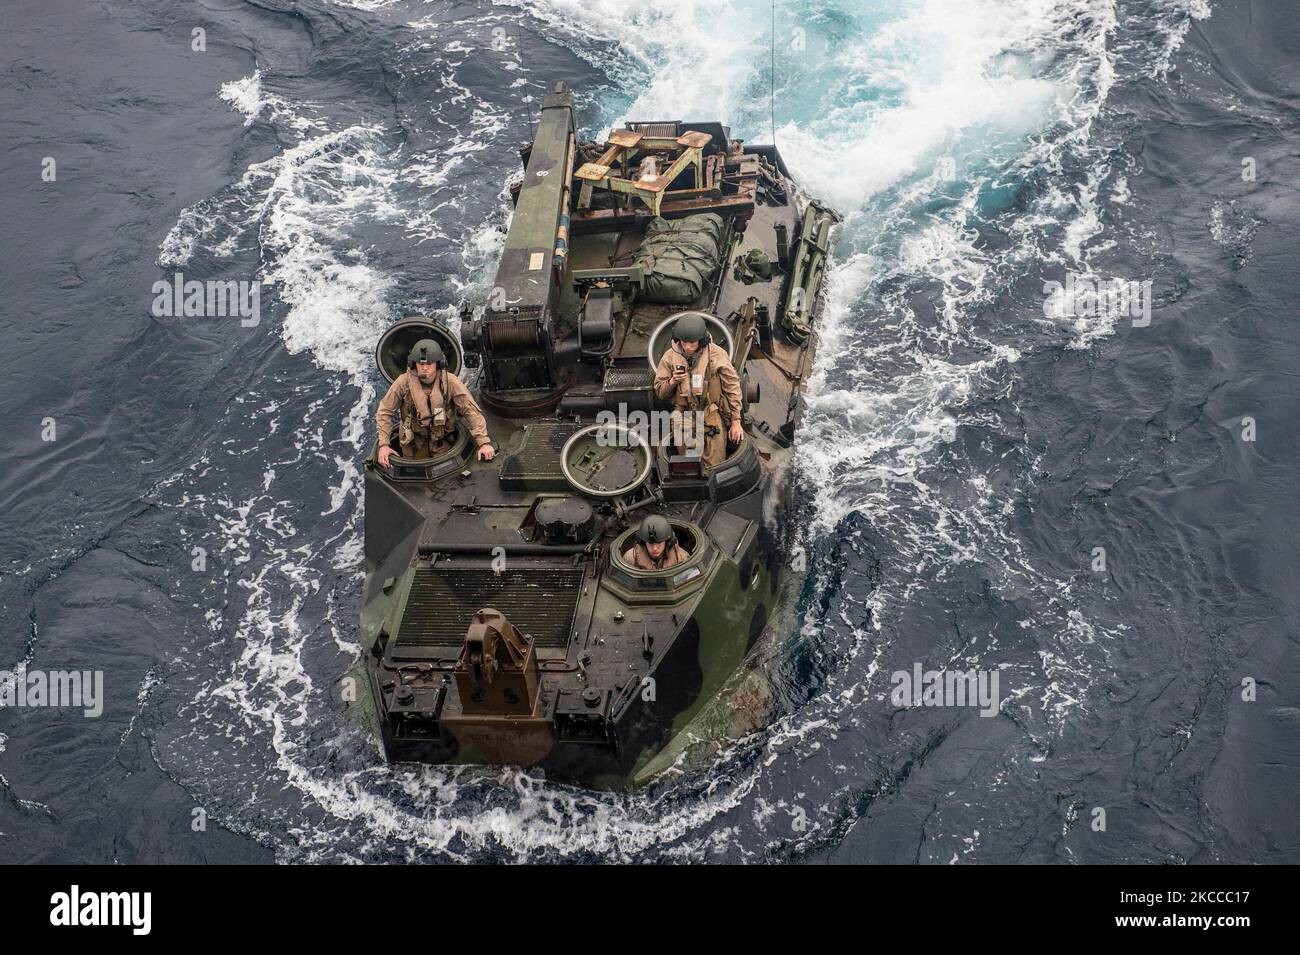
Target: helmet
655, 529
426, 349
690, 328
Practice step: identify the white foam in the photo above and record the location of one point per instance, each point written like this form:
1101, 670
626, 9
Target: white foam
1001, 87
245, 95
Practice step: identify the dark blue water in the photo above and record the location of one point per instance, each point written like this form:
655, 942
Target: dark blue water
193, 530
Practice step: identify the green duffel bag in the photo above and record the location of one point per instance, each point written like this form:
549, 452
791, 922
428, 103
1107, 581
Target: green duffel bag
678, 256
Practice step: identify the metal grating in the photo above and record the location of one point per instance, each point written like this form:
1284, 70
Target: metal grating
536, 465
628, 377
539, 600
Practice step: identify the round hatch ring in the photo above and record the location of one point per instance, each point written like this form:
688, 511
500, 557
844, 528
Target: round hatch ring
605, 460
661, 338
397, 340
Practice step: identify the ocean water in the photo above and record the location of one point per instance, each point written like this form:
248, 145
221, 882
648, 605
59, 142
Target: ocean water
974, 443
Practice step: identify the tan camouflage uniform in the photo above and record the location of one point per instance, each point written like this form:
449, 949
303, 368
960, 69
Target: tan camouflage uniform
640, 558
426, 420
718, 396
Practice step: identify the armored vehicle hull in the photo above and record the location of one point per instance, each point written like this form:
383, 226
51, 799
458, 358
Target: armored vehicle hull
501, 623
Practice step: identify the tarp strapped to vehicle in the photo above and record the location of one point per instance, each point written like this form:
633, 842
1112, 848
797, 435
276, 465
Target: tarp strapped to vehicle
679, 256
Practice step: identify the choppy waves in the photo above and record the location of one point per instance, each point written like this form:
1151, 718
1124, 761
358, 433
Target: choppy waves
958, 138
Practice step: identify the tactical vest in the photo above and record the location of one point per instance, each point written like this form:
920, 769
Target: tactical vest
430, 415
711, 398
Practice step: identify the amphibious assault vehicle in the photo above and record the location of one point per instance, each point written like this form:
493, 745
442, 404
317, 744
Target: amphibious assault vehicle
500, 621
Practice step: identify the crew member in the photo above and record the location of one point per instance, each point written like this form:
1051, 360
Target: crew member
696, 375
426, 399
656, 547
